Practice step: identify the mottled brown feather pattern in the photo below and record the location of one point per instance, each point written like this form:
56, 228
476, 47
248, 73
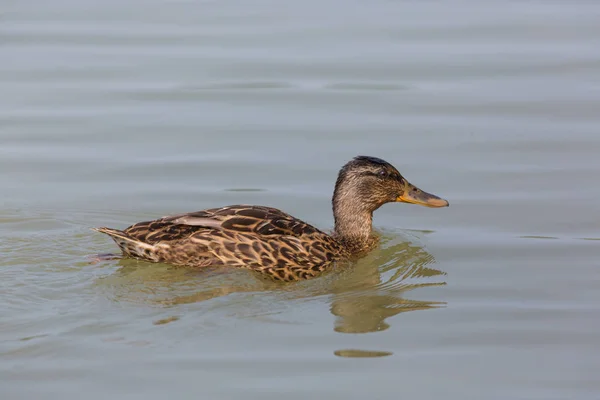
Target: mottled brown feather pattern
256, 237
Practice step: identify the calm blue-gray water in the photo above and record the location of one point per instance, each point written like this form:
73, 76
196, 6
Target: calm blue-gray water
116, 112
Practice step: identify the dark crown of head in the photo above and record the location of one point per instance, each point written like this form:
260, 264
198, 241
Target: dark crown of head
369, 160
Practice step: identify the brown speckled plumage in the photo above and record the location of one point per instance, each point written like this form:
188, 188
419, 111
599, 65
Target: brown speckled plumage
268, 240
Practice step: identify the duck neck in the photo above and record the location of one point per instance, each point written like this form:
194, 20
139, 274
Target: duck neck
353, 224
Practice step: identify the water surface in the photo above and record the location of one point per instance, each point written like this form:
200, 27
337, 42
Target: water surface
115, 112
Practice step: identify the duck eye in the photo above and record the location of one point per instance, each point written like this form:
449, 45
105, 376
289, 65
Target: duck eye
383, 173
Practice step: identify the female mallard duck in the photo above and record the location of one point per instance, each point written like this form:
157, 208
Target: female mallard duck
270, 241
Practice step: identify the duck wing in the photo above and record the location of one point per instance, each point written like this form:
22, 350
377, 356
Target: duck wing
244, 219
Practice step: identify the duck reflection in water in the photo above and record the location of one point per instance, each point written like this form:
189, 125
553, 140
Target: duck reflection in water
375, 291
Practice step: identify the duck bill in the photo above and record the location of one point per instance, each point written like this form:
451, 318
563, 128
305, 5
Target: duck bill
414, 195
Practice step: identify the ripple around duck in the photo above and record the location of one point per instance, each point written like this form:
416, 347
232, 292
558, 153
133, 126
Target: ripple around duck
42, 288
386, 276
50, 275
49, 279
362, 295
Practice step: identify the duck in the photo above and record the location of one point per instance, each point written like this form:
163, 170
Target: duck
270, 241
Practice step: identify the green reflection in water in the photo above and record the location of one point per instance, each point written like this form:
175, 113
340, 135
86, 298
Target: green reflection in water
376, 289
